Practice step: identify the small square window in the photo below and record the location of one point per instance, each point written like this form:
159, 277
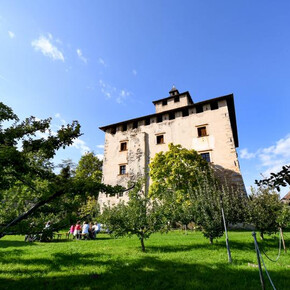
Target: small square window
164, 102
135, 125
122, 169
205, 156
185, 112
159, 119
176, 99
160, 139
124, 127
214, 106
123, 146
199, 109
171, 116
147, 121
201, 131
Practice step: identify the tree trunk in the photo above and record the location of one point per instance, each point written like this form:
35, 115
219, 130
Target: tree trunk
142, 244
262, 235
211, 240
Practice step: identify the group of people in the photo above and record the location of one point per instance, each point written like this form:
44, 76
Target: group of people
85, 231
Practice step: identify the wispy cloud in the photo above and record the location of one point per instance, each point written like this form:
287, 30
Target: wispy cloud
271, 159
109, 91
102, 62
11, 34
81, 145
246, 155
134, 72
101, 146
80, 55
3, 78
122, 96
44, 44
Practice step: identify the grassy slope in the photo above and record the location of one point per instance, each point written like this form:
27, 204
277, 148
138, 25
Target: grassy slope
172, 261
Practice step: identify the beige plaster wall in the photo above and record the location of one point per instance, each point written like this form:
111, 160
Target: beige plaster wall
183, 101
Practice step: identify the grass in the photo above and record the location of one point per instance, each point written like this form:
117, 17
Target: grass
172, 261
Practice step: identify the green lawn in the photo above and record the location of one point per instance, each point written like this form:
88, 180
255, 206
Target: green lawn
172, 261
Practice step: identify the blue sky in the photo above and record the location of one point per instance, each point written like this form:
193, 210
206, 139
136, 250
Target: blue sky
101, 62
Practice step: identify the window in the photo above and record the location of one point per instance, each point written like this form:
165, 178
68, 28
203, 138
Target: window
205, 156
135, 125
214, 106
159, 119
199, 109
147, 121
123, 146
185, 112
160, 139
124, 127
176, 99
164, 102
171, 116
113, 130
122, 170
201, 131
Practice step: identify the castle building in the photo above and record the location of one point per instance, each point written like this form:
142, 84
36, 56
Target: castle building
209, 127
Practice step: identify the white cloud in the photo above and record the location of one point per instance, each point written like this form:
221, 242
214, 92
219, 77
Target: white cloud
101, 146
11, 34
110, 91
246, 155
81, 145
80, 55
272, 158
134, 72
58, 116
100, 156
45, 45
102, 62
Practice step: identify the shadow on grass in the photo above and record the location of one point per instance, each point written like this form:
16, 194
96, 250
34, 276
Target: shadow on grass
146, 273
7, 244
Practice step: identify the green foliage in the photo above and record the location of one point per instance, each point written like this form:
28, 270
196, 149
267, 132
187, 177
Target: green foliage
30, 191
276, 180
264, 210
141, 216
177, 171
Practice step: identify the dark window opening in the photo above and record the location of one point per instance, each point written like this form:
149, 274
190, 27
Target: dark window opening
147, 121
199, 109
164, 102
214, 106
185, 112
176, 99
205, 156
160, 139
171, 116
159, 119
113, 130
124, 127
122, 169
123, 146
201, 131
135, 125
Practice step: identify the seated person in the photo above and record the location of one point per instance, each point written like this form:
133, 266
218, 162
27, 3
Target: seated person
97, 228
85, 232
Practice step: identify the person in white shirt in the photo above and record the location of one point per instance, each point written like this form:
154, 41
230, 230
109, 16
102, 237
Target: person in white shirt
85, 232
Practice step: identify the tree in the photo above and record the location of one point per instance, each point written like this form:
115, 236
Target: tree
27, 179
189, 190
282, 178
265, 210
141, 216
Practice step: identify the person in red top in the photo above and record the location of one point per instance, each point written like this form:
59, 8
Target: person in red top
78, 229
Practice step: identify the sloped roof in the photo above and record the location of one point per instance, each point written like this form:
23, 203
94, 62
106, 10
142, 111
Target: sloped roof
287, 196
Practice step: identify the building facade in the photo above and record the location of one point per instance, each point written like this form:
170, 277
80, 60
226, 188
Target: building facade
209, 127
